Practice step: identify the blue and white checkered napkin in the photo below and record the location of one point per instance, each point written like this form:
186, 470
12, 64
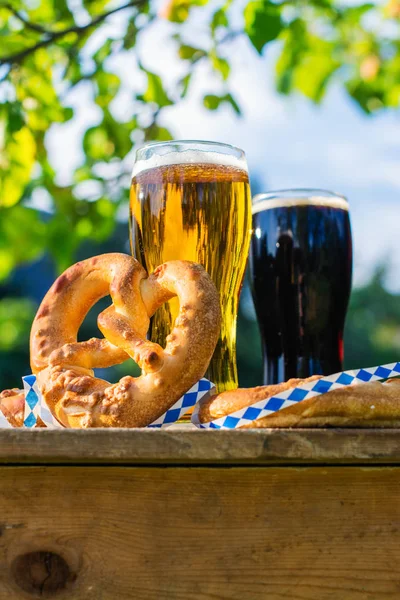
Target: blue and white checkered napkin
35, 405
263, 408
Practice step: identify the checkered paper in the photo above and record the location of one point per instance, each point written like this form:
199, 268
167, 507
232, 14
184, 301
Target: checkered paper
35, 405
192, 396
266, 407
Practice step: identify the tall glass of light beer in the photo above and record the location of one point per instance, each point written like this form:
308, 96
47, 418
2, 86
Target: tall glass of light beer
190, 200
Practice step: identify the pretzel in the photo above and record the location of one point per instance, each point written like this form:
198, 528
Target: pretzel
12, 404
372, 404
64, 367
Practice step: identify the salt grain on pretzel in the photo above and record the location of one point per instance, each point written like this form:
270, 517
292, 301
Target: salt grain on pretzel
64, 366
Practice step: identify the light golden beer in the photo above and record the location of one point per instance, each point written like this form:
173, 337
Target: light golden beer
195, 208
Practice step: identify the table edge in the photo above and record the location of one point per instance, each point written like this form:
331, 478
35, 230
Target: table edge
199, 447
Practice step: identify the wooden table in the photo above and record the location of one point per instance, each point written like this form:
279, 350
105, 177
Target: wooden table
207, 515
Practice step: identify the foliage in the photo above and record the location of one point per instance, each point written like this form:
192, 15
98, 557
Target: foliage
53, 48
373, 331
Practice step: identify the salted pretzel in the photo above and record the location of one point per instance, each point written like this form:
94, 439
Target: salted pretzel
64, 367
372, 404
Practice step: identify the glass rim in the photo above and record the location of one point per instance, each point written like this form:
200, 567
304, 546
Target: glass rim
297, 193
180, 152
184, 143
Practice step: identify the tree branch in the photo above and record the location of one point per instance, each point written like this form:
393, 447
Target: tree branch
34, 26
18, 57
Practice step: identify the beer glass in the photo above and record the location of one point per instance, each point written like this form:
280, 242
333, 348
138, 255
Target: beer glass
190, 200
301, 269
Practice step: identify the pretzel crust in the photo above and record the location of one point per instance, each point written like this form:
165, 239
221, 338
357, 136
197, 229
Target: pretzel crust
373, 404
64, 367
12, 404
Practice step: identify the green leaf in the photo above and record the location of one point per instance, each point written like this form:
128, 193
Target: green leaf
219, 19
103, 52
393, 96
130, 35
155, 90
178, 10
156, 133
95, 7
190, 53
220, 65
108, 85
184, 84
14, 116
16, 164
294, 48
118, 134
97, 145
212, 102
366, 94
353, 14
263, 22
313, 73
231, 100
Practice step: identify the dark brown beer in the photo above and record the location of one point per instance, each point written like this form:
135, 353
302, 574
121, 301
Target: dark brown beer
301, 266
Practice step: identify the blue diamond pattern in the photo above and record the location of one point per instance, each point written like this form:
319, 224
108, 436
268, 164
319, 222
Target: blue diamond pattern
251, 413
172, 415
298, 395
322, 386
204, 385
382, 372
31, 399
231, 422
30, 421
30, 379
189, 399
364, 375
274, 404
345, 379
397, 367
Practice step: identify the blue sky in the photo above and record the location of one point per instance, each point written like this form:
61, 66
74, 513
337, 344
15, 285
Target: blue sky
288, 141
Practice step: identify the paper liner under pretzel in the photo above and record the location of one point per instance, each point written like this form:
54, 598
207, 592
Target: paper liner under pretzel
373, 404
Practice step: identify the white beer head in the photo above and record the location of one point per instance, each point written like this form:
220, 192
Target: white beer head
298, 197
182, 152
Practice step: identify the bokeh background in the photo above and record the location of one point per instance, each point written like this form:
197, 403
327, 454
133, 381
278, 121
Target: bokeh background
310, 90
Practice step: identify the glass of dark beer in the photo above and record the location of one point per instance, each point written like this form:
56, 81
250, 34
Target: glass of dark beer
301, 269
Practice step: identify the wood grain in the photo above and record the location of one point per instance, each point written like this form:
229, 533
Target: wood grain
129, 533
149, 446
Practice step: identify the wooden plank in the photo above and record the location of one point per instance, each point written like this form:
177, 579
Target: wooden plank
127, 533
183, 446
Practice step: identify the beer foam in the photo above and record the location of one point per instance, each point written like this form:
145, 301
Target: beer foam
334, 202
186, 157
